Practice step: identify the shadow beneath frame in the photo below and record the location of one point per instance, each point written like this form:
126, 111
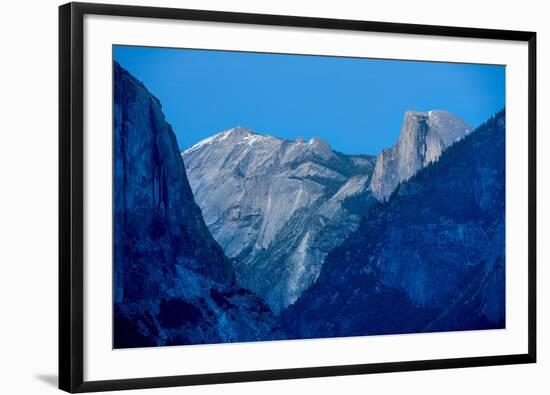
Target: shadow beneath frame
50, 379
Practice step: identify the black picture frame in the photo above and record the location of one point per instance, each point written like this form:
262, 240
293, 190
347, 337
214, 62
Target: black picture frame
71, 195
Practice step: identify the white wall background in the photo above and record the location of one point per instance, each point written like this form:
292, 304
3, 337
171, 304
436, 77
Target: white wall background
28, 195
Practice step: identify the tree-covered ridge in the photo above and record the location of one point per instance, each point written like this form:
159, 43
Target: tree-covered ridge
431, 258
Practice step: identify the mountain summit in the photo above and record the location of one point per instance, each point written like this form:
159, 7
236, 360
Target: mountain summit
424, 136
277, 206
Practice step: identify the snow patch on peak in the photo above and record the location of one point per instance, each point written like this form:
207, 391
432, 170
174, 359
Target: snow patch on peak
243, 135
201, 143
252, 139
239, 130
233, 132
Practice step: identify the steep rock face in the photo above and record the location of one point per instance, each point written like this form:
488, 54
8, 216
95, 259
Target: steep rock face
277, 206
172, 281
424, 136
429, 259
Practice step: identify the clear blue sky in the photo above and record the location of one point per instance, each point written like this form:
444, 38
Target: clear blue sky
356, 105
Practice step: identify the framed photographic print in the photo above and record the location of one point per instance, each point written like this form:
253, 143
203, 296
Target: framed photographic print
253, 197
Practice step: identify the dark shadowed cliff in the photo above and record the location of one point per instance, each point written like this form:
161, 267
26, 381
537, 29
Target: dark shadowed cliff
173, 283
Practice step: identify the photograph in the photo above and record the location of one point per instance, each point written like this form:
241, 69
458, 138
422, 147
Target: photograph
266, 196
